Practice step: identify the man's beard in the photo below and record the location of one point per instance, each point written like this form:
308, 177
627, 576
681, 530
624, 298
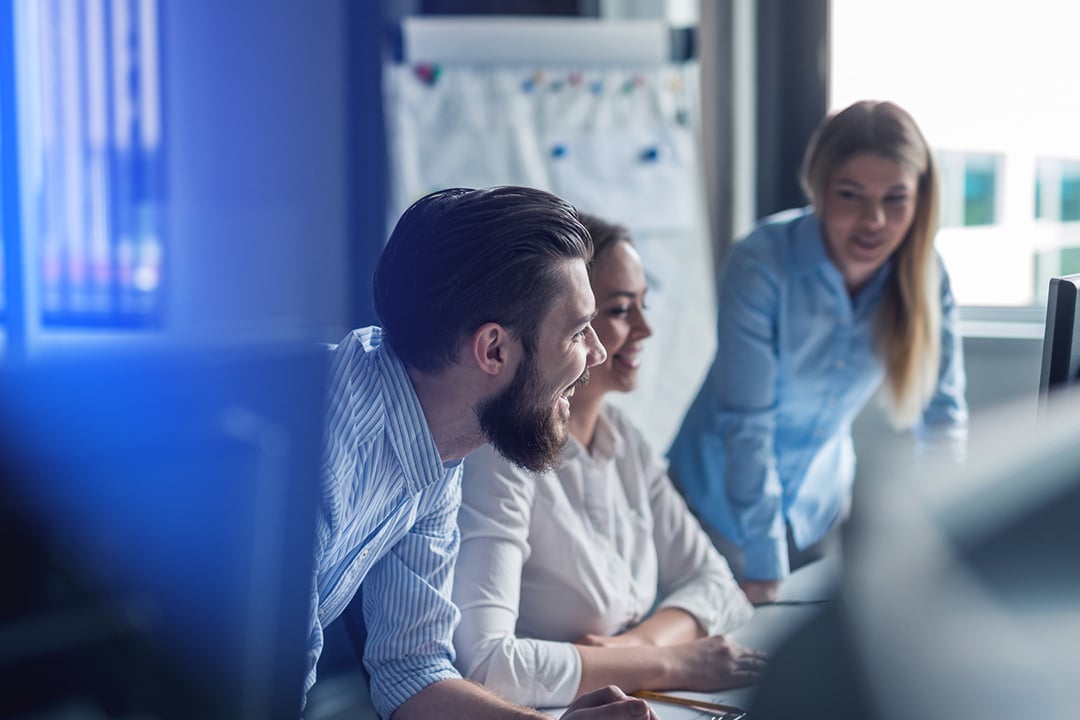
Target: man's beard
521, 423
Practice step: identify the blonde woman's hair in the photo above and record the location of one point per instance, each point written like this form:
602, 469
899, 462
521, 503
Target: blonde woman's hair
908, 323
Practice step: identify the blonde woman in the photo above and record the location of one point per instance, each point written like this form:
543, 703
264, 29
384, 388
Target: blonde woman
594, 573
819, 308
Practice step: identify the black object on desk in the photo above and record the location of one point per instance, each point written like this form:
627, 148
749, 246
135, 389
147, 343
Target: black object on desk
813, 675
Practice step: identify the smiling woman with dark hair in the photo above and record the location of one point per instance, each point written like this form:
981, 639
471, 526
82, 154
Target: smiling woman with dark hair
560, 570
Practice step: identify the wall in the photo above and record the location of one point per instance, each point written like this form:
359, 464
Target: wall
255, 115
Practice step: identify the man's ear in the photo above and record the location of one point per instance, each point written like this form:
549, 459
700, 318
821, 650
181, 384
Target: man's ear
492, 348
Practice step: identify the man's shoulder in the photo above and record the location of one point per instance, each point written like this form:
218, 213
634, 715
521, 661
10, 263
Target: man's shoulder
356, 383
361, 351
359, 342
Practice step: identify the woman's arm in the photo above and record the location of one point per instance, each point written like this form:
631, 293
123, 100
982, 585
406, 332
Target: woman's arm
495, 519
666, 626
943, 429
744, 382
704, 665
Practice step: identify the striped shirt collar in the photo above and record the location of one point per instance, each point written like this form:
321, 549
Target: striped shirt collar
406, 424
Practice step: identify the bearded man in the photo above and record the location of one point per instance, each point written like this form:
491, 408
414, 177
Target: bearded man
485, 310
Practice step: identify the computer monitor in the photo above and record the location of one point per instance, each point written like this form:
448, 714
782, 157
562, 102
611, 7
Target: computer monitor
1061, 338
156, 532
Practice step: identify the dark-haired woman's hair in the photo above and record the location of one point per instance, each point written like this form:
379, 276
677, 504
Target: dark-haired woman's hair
604, 234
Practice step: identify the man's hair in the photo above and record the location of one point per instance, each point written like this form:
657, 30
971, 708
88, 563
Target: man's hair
459, 258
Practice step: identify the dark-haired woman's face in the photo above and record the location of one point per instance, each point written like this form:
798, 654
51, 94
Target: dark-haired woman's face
619, 285
870, 203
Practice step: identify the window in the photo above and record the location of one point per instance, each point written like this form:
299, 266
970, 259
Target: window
1057, 189
988, 95
1057, 208
92, 161
969, 184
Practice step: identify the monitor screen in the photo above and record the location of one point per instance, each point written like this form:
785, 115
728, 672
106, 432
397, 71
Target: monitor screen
1061, 342
157, 526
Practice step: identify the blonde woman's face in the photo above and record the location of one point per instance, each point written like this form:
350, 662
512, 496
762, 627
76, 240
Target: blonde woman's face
870, 203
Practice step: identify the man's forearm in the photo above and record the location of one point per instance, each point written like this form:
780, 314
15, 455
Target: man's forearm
461, 700
464, 700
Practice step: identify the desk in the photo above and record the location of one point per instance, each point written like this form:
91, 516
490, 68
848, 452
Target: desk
802, 597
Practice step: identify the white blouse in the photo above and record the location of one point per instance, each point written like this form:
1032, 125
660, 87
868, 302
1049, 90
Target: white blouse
592, 548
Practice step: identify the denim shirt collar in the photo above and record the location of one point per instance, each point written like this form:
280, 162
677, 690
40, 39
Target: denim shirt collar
809, 255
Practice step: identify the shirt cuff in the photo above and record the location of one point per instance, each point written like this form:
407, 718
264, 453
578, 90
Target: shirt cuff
530, 672
719, 610
766, 560
392, 686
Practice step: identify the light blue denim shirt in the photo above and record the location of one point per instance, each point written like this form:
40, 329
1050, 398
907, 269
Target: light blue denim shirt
387, 520
767, 441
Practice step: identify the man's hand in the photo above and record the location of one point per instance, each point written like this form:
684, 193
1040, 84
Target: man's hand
761, 592
608, 702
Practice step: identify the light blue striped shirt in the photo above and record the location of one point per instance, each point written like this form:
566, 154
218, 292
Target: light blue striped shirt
388, 520
767, 442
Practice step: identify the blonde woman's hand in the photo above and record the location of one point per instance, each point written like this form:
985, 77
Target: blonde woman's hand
761, 592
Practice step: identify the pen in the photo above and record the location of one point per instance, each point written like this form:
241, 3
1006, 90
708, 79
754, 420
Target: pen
687, 702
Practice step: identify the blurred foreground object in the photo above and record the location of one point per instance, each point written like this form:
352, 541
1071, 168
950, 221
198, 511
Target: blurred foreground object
157, 533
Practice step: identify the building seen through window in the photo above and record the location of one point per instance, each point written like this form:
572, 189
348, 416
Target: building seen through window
969, 184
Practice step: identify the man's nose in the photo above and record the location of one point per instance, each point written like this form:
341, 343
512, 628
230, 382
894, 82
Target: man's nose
597, 353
